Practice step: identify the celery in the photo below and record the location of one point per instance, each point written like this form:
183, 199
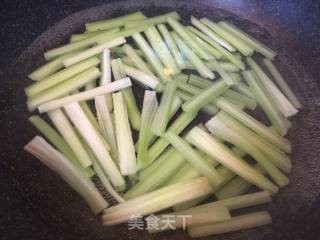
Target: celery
86, 95
242, 222
243, 88
106, 74
156, 201
126, 152
94, 140
161, 118
82, 36
226, 66
249, 102
225, 76
203, 70
68, 172
114, 22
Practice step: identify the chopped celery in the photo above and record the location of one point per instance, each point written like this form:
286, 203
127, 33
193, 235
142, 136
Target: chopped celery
156, 201
149, 108
226, 66
242, 222
203, 70
126, 152
86, 95
114, 22
94, 140
106, 74
225, 76
248, 102
85, 35
68, 172
243, 88
161, 118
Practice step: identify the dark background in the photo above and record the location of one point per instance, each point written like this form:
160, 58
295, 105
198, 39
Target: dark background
294, 24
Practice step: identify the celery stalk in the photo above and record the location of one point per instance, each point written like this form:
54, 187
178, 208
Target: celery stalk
248, 102
226, 66
68, 172
86, 95
106, 74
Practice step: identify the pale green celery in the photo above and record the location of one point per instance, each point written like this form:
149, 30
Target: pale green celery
171, 45
61, 76
199, 81
68, 172
194, 158
119, 72
222, 50
93, 51
151, 57
106, 75
277, 157
159, 176
265, 103
253, 124
51, 67
156, 201
149, 108
255, 44
282, 103
65, 128
94, 140
243, 88
204, 97
161, 118
137, 60
143, 78
217, 127
199, 65
126, 152
176, 127
211, 34
199, 217
86, 95
181, 31
106, 124
113, 22
161, 49
248, 102
81, 36
90, 85
153, 20
63, 88
237, 223
120, 50
225, 76
282, 83
236, 187
221, 153
240, 45
226, 66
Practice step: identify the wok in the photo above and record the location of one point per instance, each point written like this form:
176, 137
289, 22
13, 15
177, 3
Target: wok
46, 208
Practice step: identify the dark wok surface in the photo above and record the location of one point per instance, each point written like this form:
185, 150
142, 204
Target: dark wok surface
42, 206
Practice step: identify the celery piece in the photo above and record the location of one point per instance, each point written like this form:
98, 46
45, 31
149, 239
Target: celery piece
199, 65
225, 76
90, 85
206, 30
106, 74
161, 118
161, 49
81, 36
171, 45
126, 152
86, 95
153, 20
217, 127
253, 124
120, 51
240, 45
226, 66
151, 57
282, 103
65, 128
94, 140
204, 97
244, 89
143, 78
137, 60
61, 76
68, 172
282, 83
249, 102
194, 158
93, 51
221, 153
237, 223
177, 126
158, 177
63, 88
113, 22
180, 30
222, 50
255, 44
156, 201
149, 108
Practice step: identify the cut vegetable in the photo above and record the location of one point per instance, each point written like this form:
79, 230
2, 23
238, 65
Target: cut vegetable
106, 74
